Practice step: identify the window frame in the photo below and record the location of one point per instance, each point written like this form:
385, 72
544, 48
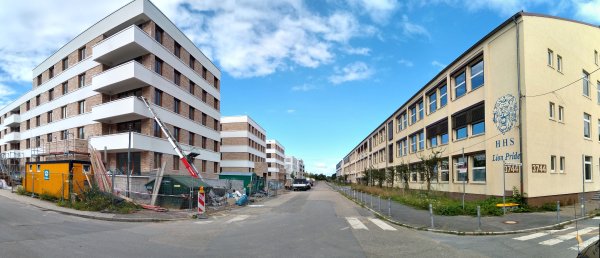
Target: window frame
444, 96
562, 162
559, 63
482, 73
473, 128
587, 120
432, 103
561, 113
463, 84
456, 130
585, 83
479, 169
552, 163
550, 58
585, 168
552, 110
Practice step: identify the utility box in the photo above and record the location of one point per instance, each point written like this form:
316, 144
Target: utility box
57, 178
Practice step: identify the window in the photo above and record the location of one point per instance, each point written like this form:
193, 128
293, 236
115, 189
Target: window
136, 126
479, 167
37, 121
562, 164
203, 142
49, 116
551, 110
587, 168
413, 114
420, 110
38, 141
81, 54
443, 96
50, 94
192, 62
561, 113
157, 97
191, 112
461, 133
65, 88
559, 63
37, 100
64, 134
552, 164
177, 50
586, 125
390, 130
192, 87
80, 133
444, 175
175, 162
461, 169
421, 140
176, 105
158, 64
413, 143
28, 124
433, 141
27, 105
49, 137
39, 80
157, 130
460, 86
157, 159
63, 112
550, 58
191, 138
51, 72
596, 57
81, 107
478, 128
204, 72
586, 83
477, 76
204, 94
177, 78
204, 117
81, 80
65, 63
158, 34
598, 129
432, 102
176, 133
28, 143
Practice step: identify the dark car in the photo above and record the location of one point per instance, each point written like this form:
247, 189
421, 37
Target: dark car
592, 250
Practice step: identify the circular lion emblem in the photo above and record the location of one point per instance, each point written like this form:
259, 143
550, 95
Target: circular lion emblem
505, 113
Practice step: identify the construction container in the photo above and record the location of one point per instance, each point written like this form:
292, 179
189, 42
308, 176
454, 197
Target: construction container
178, 192
250, 179
57, 178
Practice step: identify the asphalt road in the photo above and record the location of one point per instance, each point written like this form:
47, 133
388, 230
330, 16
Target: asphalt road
316, 223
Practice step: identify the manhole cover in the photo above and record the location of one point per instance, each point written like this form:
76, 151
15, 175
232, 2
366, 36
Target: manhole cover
510, 222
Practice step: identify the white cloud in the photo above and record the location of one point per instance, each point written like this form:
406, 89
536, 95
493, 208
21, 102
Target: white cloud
363, 51
406, 63
290, 111
413, 30
588, 11
378, 10
438, 64
351, 72
304, 87
6, 94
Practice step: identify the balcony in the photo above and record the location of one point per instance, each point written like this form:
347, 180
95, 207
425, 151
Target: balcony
12, 137
12, 120
139, 142
125, 45
121, 110
128, 76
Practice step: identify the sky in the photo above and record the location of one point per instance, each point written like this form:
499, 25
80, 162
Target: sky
317, 75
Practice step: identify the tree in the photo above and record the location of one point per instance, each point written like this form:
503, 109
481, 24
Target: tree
430, 165
380, 176
390, 176
402, 172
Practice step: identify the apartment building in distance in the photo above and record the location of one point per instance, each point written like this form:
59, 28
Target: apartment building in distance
243, 145
89, 89
294, 167
275, 161
527, 94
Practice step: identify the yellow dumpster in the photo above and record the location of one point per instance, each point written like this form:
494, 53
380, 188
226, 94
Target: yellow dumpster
57, 178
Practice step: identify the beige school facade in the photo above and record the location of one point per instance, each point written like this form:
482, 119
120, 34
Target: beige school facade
526, 97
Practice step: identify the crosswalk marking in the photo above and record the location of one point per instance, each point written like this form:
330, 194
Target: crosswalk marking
382, 224
237, 218
540, 234
564, 237
356, 224
597, 217
585, 243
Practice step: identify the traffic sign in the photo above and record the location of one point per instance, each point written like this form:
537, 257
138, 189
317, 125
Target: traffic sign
46, 174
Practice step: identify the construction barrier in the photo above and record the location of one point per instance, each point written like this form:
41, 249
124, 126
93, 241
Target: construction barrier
201, 201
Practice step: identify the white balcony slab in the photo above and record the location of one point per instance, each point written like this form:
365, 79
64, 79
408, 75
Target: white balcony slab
122, 110
125, 45
12, 120
12, 137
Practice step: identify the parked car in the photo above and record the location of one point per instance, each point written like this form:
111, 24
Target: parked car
300, 184
592, 250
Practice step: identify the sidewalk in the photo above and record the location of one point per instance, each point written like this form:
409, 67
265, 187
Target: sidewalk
139, 216
508, 224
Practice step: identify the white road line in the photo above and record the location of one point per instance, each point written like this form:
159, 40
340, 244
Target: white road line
237, 218
585, 243
568, 236
356, 224
382, 224
530, 236
203, 222
559, 230
597, 217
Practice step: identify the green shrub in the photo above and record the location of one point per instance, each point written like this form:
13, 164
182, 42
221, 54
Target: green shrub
21, 190
47, 197
92, 199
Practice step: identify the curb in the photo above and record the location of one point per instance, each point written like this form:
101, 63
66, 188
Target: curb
466, 233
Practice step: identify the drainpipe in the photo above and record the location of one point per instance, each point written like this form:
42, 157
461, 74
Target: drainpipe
520, 102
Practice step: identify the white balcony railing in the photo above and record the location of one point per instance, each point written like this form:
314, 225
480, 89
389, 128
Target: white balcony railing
126, 109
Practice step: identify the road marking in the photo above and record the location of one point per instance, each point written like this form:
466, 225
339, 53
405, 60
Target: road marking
203, 222
382, 224
531, 236
256, 205
237, 218
356, 224
585, 244
597, 217
559, 230
568, 236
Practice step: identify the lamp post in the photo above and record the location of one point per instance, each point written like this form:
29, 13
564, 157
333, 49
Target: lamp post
128, 158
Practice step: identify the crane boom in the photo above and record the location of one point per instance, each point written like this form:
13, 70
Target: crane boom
188, 165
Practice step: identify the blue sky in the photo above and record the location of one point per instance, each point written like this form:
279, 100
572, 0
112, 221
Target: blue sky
317, 75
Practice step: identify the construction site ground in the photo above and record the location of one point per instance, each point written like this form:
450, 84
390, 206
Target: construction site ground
138, 216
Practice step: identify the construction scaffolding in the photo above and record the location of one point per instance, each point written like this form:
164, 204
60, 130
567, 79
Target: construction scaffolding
68, 149
11, 166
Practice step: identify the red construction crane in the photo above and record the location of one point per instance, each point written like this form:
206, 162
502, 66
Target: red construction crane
185, 159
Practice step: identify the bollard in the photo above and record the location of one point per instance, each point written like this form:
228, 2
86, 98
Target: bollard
371, 199
479, 217
582, 206
379, 197
431, 214
557, 212
354, 194
389, 207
